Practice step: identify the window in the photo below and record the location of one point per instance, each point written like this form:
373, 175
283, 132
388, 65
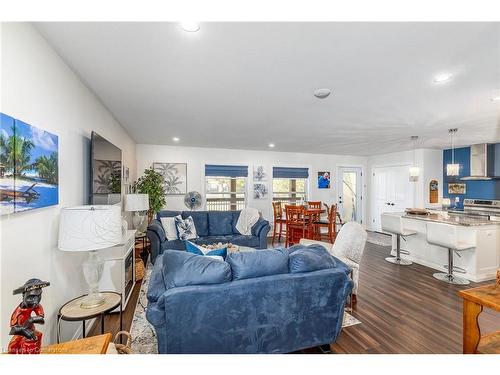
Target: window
290, 184
225, 187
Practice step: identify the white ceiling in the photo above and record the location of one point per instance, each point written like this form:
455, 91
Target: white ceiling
244, 85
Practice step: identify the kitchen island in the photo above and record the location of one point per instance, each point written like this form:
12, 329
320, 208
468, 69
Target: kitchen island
480, 262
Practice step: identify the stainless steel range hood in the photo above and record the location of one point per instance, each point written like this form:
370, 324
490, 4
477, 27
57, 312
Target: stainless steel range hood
484, 162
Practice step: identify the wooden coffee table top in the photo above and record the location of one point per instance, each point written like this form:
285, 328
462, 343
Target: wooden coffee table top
487, 296
89, 345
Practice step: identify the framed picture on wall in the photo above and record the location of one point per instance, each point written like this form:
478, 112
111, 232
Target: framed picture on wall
457, 188
260, 191
174, 177
323, 180
259, 173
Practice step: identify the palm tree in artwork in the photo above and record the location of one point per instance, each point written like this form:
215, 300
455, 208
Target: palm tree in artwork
47, 167
171, 180
16, 153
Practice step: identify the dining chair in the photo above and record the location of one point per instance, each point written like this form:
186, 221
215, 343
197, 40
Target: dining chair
297, 226
314, 204
279, 221
330, 223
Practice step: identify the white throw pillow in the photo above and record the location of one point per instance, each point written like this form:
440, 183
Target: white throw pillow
169, 227
185, 228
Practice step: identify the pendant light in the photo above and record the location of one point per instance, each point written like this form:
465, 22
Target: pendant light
414, 170
452, 169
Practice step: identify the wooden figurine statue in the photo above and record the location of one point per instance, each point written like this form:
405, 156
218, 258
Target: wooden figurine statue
26, 338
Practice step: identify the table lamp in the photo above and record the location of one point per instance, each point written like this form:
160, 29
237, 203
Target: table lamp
90, 228
139, 204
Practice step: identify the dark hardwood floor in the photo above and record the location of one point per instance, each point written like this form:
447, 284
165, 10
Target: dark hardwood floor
402, 310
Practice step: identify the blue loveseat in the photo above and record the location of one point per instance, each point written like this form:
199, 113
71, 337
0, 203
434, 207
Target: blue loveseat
211, 227
265, 301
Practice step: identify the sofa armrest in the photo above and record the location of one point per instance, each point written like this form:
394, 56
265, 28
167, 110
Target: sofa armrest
156, 236
260, 229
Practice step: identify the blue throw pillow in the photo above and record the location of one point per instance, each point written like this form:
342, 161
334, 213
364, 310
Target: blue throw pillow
181, 268
311, 258
250, 264
200, 250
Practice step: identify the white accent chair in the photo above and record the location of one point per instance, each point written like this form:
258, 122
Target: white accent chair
393, 223
348, 247
446, 235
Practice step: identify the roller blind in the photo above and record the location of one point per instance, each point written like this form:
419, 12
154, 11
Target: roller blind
226, 170
290, 172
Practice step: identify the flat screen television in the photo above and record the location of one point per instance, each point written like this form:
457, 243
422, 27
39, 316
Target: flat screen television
106, 171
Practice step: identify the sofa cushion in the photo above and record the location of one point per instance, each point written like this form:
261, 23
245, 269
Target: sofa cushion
170, 227
200, 250
185, 228
200, 219
181, 268
251, 264
167, 213
242, 240
156, 227
310, 258
219, 223
234, 221
172, 245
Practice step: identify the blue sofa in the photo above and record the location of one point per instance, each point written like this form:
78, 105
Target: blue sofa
211, 226
266, 301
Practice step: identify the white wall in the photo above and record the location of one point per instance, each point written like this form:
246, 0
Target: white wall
430, 163
197, 157
38, 88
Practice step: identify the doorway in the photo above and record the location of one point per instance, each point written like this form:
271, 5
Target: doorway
391, 191
350, 191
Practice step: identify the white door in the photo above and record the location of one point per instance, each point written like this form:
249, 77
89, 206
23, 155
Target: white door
350, 188
392, 191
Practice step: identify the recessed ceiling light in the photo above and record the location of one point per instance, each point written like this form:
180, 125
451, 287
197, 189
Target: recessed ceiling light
443, 77
176, 139
191, 27
322, 93
271, 145
495, 99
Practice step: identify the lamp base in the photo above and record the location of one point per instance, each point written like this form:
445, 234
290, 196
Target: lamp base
92, 271
91, 301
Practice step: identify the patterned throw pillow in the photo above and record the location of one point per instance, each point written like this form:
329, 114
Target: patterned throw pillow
185, 228
200, 250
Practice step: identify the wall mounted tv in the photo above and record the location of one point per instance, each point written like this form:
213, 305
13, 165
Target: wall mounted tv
106, 171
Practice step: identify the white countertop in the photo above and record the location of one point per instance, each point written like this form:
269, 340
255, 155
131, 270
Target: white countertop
452, 219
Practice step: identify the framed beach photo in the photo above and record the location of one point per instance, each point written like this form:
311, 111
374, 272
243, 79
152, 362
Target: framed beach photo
31, 179
174, 177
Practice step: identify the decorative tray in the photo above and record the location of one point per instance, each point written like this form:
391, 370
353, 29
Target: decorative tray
417, 211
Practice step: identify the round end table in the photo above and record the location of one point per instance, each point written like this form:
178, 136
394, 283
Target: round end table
72, 311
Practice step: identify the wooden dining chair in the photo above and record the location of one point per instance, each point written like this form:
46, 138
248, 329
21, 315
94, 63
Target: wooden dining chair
296, 225
279, 221
330, 223
314, 204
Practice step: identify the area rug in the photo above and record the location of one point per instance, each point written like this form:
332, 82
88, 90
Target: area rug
143, 334
377, 238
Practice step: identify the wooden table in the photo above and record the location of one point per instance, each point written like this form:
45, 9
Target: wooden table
90, 345
475, 300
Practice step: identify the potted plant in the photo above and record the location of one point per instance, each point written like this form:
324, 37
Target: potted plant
151, 183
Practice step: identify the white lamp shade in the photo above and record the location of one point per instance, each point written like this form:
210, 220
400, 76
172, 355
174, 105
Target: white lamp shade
86, 228
136, 202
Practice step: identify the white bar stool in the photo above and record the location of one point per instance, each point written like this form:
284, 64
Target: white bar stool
393, 223
446, 235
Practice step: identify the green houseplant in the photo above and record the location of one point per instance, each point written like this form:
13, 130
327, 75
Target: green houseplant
151, 183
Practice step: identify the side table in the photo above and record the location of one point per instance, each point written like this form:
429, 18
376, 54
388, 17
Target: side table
142, 239
474, 301
72, 311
